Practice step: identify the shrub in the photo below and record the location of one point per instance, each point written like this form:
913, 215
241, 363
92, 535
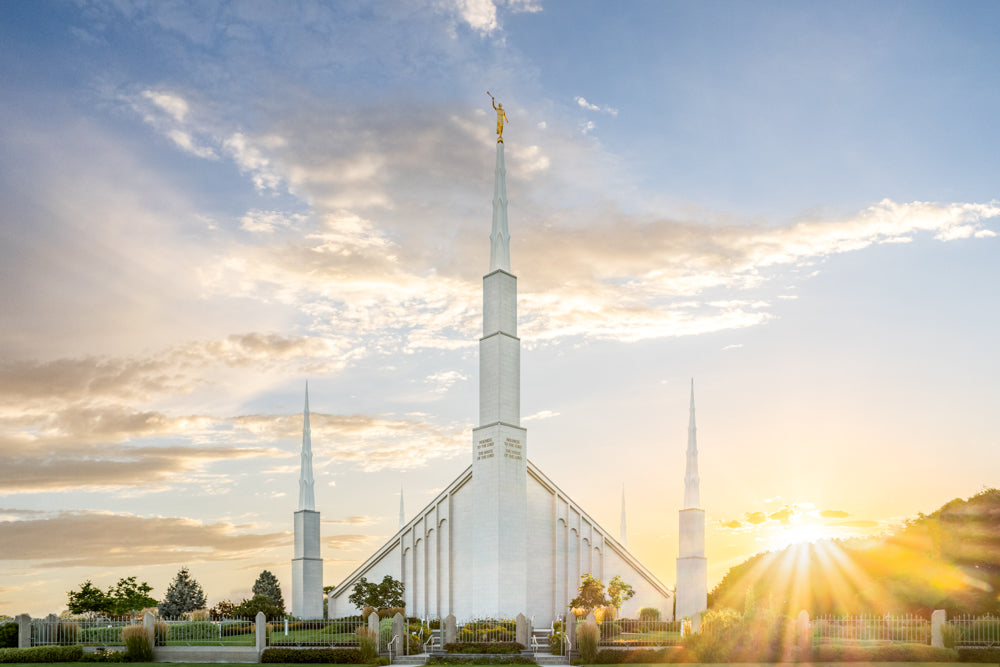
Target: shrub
587, 638
557, 643
42, 654
68, 632
979, 655
138, 648
101, 655
390, 612
341, 656
483, 660
194, 630
367, 643
883, 653
610, 629
483, 647
197, 615
368, 611
8, 635
649, 614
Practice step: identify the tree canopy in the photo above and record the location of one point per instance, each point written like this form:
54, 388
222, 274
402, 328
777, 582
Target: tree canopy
590, 595
184, 595
128, 596
268, 586
388, 593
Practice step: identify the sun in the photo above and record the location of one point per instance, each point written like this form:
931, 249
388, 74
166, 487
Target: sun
798, 533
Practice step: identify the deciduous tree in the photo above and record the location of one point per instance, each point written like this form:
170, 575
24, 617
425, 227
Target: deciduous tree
389, 593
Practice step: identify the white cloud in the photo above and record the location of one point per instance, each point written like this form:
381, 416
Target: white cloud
584, 104
267, 222
174, 105
541, 414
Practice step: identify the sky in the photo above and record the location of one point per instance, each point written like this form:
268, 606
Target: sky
204, 205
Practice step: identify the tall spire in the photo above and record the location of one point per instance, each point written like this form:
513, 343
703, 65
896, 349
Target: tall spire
691, 495
307, 498
623, 533
499, 236
402, 515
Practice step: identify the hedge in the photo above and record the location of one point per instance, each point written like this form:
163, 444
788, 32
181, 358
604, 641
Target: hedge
644, 656
8, 635
979, 655
342, 656
481, 660
42, 654
886, 653
483, 647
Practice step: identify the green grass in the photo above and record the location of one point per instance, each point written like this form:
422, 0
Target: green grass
295, 637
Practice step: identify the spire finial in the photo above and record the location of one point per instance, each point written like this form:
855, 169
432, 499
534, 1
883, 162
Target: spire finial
691, 480
307, 498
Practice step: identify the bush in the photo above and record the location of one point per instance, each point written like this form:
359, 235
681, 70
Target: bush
341, 656
103, 656
138, 648
193, 630
484, 660
368, 611
8, 635
649, 614
557, 643
587, 638
979, 655
484, 647
610, 629
883, 653
643, 656
367, 643
42, 654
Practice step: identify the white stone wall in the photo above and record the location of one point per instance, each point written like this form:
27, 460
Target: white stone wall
307, 566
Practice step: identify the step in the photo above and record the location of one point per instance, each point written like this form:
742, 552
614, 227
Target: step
549, 659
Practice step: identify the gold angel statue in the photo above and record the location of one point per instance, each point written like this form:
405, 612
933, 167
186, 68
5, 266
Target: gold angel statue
501, 117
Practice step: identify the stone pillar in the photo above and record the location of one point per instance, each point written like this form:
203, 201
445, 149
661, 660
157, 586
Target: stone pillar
521, 633
399, 630
23, 631
803, 629
450, 629
570, 630
938, 619
260, 631
149, 623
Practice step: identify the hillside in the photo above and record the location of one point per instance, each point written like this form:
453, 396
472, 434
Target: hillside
949, 559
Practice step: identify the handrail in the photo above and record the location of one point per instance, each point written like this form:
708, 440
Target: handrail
389, 646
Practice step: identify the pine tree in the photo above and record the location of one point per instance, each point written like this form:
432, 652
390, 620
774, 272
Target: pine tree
267, 584
184, 594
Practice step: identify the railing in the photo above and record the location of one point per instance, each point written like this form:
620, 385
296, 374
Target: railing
976, 631
333, 632
94, 631
220, 632
883, 629
488, 630
633, 632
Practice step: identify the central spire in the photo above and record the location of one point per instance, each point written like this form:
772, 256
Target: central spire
691, 480
307, 498
499, 235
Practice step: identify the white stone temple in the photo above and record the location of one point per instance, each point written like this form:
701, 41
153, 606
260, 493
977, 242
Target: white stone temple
502, 538
307, 566
692, 566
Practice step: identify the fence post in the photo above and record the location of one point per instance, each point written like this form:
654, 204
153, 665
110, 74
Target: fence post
938, 618
521, 631
570, 630
260, 632
802, 627
149, 623
399, 630
450, 629
23, 631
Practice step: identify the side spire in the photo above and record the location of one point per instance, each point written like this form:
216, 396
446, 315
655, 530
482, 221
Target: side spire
307, 498
623, 531
499, 235
691, 480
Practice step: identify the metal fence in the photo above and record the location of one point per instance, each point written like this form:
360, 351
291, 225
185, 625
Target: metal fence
93, 631
633, 632
334, 632
910, 629
221, 632
976, 631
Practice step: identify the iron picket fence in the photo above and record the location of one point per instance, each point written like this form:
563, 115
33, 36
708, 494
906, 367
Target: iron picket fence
976, 631
865, 628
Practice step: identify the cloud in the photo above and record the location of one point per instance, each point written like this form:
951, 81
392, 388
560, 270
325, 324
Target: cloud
105, 539
370, 441
734, 346
541, 414
584, 104
833, 514
443, 380
267, 222
348, 542
352, 520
